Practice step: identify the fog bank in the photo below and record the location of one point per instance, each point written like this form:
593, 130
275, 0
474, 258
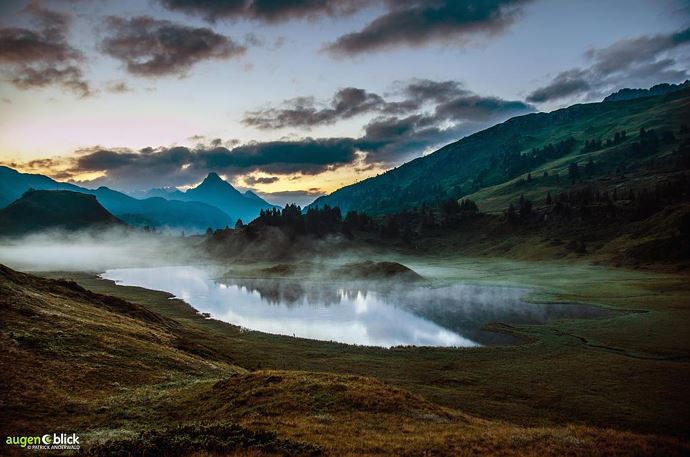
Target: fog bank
95, 252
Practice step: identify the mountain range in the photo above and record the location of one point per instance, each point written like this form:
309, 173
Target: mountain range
492, 167
214, 203
214, 191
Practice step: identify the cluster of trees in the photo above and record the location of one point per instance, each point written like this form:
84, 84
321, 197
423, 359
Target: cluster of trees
636, 202
418, 193
650, 140
326, 220
408, 224
315, 221
522, 212
576, 173
515, 164
595, 145
511, 163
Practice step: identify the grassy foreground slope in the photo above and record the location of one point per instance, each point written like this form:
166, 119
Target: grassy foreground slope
132, 382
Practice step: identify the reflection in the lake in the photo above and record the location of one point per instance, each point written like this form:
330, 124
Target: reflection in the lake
352, 313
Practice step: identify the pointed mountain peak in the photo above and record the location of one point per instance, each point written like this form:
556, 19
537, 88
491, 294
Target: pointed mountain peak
214, 184
213, 177
214, 181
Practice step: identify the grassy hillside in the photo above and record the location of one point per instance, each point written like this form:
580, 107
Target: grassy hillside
487, 165
39, 210
131, 381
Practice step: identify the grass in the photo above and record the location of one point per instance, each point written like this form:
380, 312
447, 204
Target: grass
570, 373
124, 374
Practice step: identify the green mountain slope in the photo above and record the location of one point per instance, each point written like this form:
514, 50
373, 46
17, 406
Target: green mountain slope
39, 210
486, 164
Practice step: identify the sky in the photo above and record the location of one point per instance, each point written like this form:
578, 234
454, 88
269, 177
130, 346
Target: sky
296, 98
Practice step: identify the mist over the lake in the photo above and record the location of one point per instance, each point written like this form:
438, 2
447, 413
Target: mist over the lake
93, 251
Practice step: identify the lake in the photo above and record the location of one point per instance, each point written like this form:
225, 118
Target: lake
363, 314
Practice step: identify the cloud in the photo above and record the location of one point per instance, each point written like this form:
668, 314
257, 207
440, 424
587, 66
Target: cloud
402, 22
427, 113
474, 107
117, 87
417, 22
40, 58
166, 166
641, 61
149, 47
565, 84
626, 54
314, 192
457, 112
298, 197
270, 11
391, 140
450, 99
68, 77
422, 90
304, 112
251, 180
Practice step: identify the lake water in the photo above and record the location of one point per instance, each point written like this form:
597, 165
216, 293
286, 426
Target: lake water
354, 313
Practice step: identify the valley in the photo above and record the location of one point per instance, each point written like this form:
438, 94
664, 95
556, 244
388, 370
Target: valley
523, 291
536, 385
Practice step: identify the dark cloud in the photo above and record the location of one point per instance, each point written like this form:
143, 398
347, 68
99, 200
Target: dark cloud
449, 98
391, 140
264, 10
416, 22
69, 77
298, 197
154, 167
308, 156
22, 46
457, 112
303, 111
40, 58
641, 61
566, 84
117, 87
251, 180
473, 107
404, 127
150, 47
403, 22
290, 195
423, 90
626, 54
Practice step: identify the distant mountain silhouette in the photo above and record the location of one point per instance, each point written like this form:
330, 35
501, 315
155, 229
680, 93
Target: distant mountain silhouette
219, 193
252, 195
155, 212
216, 192
169, 193
160, 212
13, 184
38, 210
